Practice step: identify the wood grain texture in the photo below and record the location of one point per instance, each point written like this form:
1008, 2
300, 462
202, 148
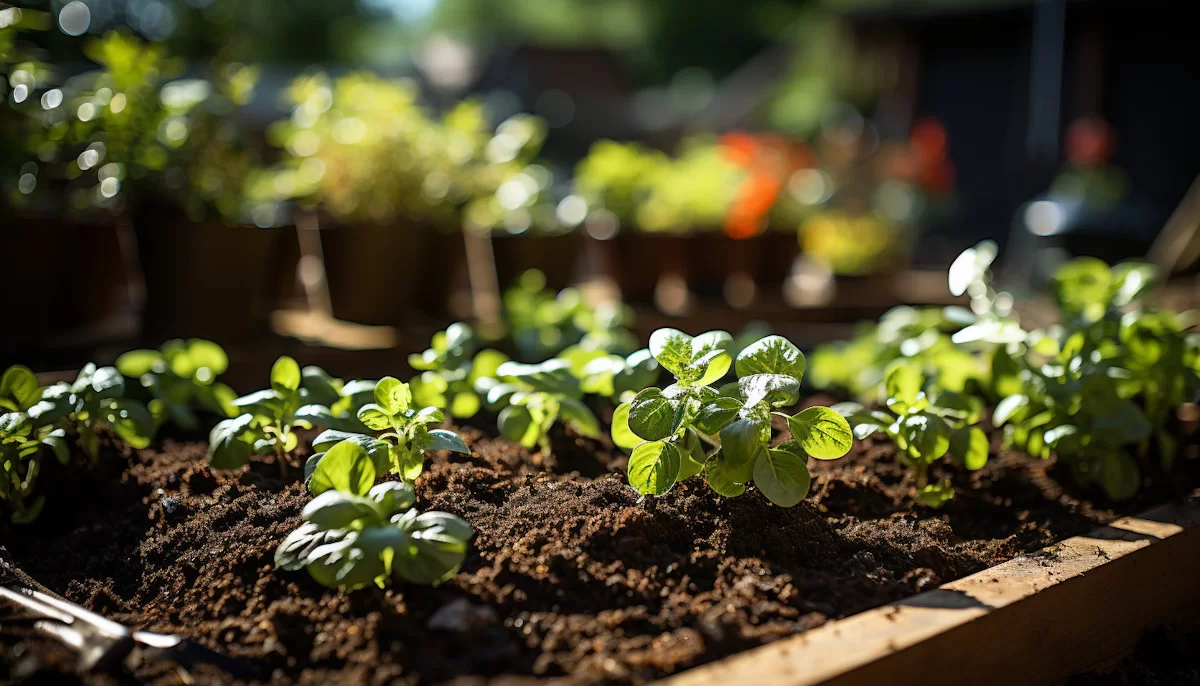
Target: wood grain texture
1033, 620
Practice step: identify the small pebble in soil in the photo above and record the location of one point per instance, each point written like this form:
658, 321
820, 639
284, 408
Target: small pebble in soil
170, 505
461, 616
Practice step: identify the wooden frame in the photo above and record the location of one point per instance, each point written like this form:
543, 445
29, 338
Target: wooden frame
1037, 619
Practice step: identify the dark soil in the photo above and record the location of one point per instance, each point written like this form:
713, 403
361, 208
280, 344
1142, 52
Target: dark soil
570, 574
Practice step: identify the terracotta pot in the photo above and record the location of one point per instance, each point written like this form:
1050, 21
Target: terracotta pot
208, 280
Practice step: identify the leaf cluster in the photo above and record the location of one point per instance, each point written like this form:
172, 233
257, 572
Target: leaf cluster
450, 370
530, 398
267, 421
367, 534
27, 434
181, 379
691, 428
397, 437
924, 426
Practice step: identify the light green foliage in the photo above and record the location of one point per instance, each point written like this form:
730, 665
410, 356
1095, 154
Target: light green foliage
361, 534
541, 323
653, 192
267, 421
619, 378
396, 439
690, 428
181, 378
924, 426
345, 136
450, 369
530, 398
97, 400
27, 434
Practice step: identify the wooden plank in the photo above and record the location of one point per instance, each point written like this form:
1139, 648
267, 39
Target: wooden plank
1033, 620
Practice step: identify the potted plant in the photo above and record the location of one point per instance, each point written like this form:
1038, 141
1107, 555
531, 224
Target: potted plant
170, 156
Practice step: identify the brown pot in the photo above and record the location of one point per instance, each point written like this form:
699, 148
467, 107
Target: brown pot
778, 250
638, 261
74, 267
558, 257
713, 257
380, 274
208, 280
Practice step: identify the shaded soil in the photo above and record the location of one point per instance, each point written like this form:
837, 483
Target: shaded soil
569, 574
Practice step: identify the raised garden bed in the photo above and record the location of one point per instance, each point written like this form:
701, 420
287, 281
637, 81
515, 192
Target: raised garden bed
570, 574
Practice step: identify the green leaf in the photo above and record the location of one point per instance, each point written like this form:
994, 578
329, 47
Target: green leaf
31, 512
228, 444
672, 348
822, 432
776, 390
719, 476
623, 436
651, 415
393, 496
1119, 476
743, 442
971, 266
333, 509
374, 417
515, 424
136, 363
345, 467
717, 414
902, 381
285, 375
927, 437
691, 455
441, 439
1008, 409
579, 417
132, 422
208, 359
392, 396
20, 384
771, 355
969, 446
936, 495
464, 404
107, 382
782, 474
653, 468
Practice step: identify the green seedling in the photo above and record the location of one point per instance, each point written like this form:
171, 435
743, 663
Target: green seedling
96, 400
398, 438
181, 378
450, 370
924, 428
530, 398
334, 403
689, 428
26, 435
541, 322
267, 423
371, 534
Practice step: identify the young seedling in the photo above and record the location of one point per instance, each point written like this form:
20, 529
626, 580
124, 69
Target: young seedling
541, 322
363, 533
1072, 407
400, 436
334, 403
450, 368
97, 400
924, 428
181, 377
26, 434
690, 428
267, 423
532, 397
